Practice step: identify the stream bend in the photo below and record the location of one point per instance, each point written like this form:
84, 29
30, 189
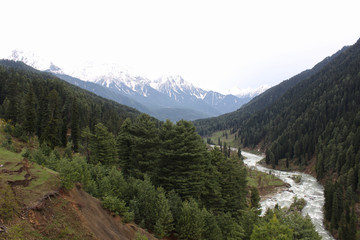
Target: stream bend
308, 188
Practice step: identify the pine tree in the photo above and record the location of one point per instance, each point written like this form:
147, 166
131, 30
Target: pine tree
103, 146
239, 153
164, 219
191, 225
75, 126
12, 96
86, 137
144, 151
124, 142
212, 197
255, 199
182, 160
54, 124
225, 150
30, 112
273, 230
233, 185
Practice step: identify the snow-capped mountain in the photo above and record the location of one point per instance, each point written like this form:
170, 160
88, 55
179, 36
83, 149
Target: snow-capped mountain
168, 97
248, 92
177, 88
30, 59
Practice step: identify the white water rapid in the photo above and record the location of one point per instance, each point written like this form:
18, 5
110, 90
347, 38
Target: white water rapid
308, 188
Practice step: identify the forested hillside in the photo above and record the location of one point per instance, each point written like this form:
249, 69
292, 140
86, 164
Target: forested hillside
234, 120
318, 118
159, 175
41, 104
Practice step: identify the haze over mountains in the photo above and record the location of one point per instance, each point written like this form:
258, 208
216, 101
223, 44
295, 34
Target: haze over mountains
168, 97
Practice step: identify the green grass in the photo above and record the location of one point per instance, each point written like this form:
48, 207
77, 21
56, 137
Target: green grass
45, 180
263, 180
230, 140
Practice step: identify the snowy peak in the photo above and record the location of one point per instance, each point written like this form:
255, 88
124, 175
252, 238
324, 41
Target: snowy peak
174, 86
35, 61
248, 92
30, 59
55, 69
166, 97
113, 76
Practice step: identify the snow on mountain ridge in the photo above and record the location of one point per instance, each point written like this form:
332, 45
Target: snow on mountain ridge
118, 78
30, 59
175, 85
248, 92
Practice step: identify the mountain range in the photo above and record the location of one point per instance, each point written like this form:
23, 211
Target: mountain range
168, 97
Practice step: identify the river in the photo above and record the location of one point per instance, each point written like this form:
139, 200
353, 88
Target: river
308, 188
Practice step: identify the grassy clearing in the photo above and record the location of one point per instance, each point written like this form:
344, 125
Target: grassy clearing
43, 180
224, 136
265, 183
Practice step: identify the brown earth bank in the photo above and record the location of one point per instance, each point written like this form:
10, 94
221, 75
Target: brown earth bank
69, 215
53, 213
99, 221
52, 217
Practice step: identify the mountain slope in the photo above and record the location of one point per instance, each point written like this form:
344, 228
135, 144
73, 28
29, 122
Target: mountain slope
224, 103
37, 197
169, 97
104, 92
260, 102
316, 124
18, 79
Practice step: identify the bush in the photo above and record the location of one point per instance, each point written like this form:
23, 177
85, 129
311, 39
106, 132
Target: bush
140, 236
7, 144
27, 153
298, 204
115, 205
8, 206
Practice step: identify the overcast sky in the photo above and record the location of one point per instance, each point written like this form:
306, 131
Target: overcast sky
214, 44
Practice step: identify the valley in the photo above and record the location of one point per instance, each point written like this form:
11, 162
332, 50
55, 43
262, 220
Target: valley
160, 174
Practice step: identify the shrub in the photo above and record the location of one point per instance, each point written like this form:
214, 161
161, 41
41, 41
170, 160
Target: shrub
8, 206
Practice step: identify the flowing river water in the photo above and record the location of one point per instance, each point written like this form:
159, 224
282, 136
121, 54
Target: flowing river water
308, 188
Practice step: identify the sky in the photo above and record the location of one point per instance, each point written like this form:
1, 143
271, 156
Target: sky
216, 45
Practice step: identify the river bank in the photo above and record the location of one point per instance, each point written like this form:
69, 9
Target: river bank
307, 188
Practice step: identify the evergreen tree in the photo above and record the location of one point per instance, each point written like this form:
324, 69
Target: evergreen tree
212, 230
239, 153
164, 218
75, 126
191, 224
144, 151
124, 143
182, 160
54, 124
212, 196
86, 137
30, 112
63, 134
225, 150
255, 199
272, 230
103, 146
12, 97
230, 227
233, 185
